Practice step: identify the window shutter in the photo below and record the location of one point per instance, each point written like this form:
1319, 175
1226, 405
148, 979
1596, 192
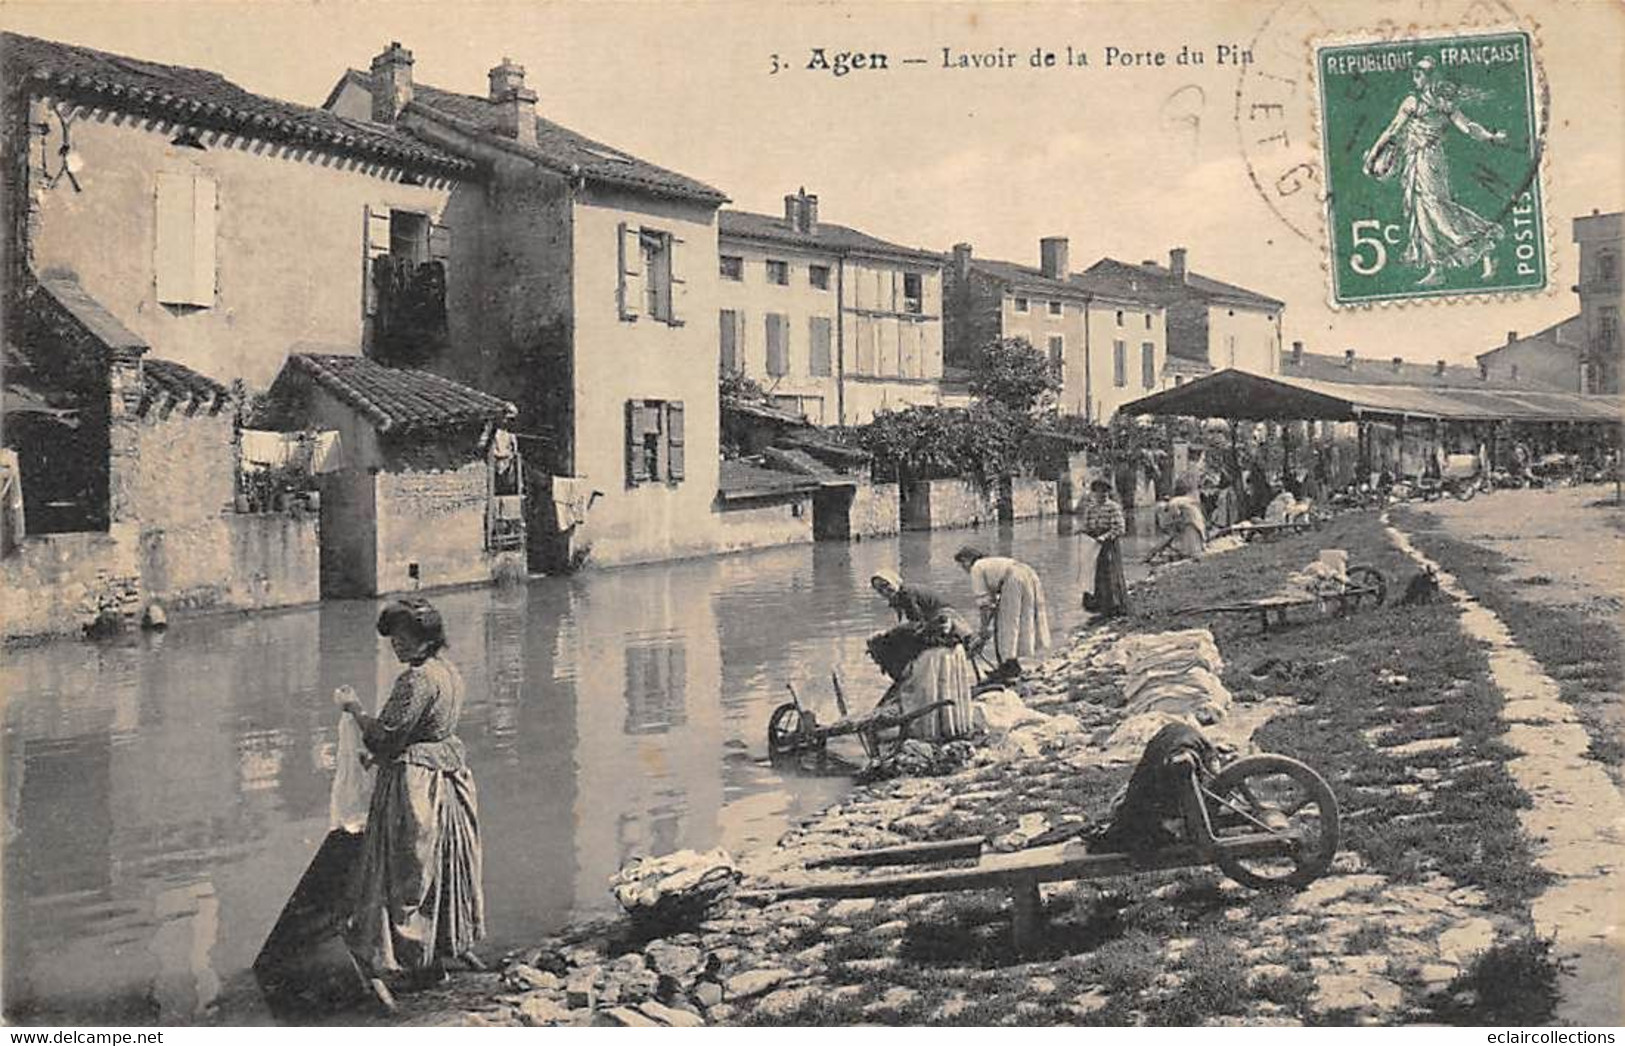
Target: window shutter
728, 335
631, 286
778, 354
375, 245
818, 361
679, 285
184, 235
1148, 364
440, 243
674, 440
634, 443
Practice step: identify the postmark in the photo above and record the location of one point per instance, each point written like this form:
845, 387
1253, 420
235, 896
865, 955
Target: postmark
1431, 158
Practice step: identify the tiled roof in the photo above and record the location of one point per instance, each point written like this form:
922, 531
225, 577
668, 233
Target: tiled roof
1566, 334
394, 399
738, 480
207, 99
557, 147
1151, 278
172, 384
825, 236
1021, 277
1369, 370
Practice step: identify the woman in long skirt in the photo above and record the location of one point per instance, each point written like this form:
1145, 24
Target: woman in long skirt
418, 900
1014, 614
1103, 521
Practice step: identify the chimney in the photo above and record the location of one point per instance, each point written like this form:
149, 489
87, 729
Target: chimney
962, 260
801, 211
1052, 257
1399, 363
1512, 336
1297, 354
1348, 359
1149, 263
1176, 263
391, 82
516, 103
1438, 369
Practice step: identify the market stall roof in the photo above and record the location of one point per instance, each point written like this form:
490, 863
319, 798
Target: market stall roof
1256, 397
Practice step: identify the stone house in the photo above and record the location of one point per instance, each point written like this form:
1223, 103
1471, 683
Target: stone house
596, 309
1107, 339
1553, 356
417, 501
833, 323
243, 225
1211, 323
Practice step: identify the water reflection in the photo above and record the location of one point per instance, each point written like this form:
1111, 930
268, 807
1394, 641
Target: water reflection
163, 794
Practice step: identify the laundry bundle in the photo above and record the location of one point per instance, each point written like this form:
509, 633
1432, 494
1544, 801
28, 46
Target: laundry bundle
676, 888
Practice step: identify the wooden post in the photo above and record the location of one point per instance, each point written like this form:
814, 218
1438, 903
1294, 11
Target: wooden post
1027, 906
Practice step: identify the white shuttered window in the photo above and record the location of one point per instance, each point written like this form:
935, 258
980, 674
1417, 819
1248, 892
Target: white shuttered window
185, 240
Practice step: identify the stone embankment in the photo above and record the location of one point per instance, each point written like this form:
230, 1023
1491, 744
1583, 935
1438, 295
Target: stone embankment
1175, 947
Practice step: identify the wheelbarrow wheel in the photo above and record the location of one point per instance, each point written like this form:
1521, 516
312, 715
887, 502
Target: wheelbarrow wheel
1368, 581
1276, 795
789, 731
1465, 491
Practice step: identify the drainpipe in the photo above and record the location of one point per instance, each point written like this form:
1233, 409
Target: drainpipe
1088, 370
840, 341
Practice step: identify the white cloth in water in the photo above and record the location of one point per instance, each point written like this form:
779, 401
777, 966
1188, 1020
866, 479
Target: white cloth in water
643, 882
938, 674
352, 780
1088, 556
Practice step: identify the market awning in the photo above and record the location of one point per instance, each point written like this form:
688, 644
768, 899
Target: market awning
1256, 397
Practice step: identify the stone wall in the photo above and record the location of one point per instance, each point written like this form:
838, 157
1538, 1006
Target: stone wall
1032, 498
782, 520
1072, 486
55, 584
875, 511
435, 519
942, 504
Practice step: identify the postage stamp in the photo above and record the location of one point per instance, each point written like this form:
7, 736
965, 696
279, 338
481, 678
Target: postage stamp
1432, 157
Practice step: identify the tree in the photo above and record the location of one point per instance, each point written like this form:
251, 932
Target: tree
1012, 372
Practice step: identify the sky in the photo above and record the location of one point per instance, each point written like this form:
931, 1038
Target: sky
1125, 161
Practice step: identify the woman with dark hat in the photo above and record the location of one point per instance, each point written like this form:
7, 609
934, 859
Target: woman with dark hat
1103, 521
417, 894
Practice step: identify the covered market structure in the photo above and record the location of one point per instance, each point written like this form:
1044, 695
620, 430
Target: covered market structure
1397, 425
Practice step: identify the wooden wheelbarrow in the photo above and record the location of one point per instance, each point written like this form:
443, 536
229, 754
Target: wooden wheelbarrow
1365, 586
794, 730
1249, 531
1265, 820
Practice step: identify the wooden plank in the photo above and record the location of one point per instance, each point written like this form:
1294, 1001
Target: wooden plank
1043, 864
913, 853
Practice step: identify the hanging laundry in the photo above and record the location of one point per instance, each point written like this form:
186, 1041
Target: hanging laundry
264, 450
572, 497
327, 454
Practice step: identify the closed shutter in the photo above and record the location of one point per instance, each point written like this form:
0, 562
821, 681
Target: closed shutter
778, 352
635, 473
728, 332
931, 293
1148, 364
818, 356
1119, 363
374, 245
674, 440
630, 291
678, 308
866, 345
184, 238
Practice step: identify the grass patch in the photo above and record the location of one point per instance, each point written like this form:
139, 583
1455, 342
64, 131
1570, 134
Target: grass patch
1513, 982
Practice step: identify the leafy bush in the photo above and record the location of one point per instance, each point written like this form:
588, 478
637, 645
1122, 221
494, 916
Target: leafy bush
1011, 372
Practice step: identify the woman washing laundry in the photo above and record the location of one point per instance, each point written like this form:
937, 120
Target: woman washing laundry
1014, 617
924, 655
1186, 522
418, 899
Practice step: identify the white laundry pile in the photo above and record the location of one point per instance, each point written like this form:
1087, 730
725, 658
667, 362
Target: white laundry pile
1171, 677
1327, 575
649, 884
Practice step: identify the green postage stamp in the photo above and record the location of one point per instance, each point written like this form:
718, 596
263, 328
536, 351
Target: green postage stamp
1433, 150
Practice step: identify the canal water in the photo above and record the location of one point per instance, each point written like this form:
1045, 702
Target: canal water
165, 792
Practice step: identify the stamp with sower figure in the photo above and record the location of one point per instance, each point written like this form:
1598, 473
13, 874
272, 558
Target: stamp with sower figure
1432, 151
